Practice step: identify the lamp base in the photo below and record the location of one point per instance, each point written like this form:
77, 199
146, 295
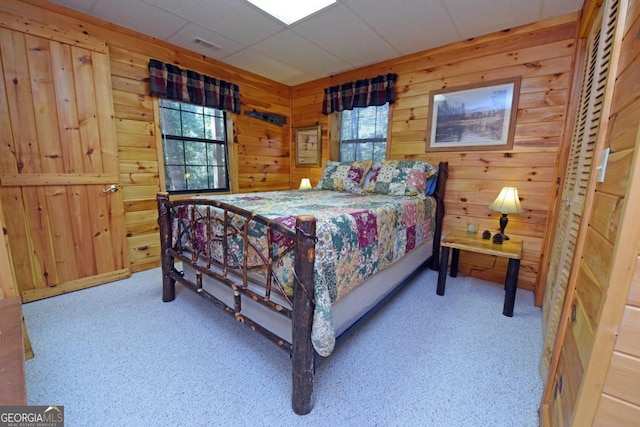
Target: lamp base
503, 224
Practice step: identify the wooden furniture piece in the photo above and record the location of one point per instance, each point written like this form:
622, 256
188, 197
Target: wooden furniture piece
222, 276
13, 389
511, 249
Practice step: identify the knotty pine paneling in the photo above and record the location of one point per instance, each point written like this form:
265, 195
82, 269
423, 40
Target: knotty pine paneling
608, 210
137, 129
8, 285
609, 392
540, 53
543, 55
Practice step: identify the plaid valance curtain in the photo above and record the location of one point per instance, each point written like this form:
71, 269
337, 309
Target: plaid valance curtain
361, 93
172, 82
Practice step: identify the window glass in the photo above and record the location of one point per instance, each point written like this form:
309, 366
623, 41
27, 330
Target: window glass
194, 147
173, 152
363, 133
171, 121
192, 125
195, 153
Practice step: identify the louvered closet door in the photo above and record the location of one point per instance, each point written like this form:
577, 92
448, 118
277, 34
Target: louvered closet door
579, 167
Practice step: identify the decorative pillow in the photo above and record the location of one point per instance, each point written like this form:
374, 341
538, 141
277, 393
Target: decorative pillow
430, 169
432, 182
400, 178
344, 176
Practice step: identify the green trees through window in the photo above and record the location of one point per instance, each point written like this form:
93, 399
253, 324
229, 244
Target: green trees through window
194, 146
363, 133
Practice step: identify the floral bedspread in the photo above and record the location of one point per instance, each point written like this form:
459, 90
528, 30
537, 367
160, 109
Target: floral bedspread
358, 235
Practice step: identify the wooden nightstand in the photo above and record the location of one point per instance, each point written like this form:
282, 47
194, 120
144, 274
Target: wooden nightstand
458, 241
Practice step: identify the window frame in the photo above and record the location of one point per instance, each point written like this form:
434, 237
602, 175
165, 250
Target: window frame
222, 143
358, 141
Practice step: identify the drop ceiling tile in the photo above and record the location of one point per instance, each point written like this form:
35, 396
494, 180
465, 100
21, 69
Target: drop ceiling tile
235, 19
341, 32
255, 62
298, 80
185, 36
407, 25
79, 5
497, 15
138, 16
553, 8
350, 34
289, 48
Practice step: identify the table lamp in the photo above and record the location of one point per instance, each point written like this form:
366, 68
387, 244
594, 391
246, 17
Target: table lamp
507, 202
305, 184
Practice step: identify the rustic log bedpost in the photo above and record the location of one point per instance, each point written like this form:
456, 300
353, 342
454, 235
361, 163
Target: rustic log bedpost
302, 352
164, 222
443, 173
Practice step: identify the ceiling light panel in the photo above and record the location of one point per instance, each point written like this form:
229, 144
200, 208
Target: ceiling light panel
290, 11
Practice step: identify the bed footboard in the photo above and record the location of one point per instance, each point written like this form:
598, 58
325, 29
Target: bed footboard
164, 223
302, 352
187, 230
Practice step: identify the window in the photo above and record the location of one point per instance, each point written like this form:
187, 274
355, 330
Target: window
194, 143
363, 133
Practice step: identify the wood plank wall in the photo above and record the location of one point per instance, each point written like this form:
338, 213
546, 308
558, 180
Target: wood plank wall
543, 54
138, 144
8, 286
620, 399
138, 127
615, 221
596, 361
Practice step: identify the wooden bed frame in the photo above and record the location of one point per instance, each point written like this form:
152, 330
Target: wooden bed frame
236, 277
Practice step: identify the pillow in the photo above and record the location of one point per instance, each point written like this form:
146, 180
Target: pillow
432, 181
430, 169
400, 178
344, 176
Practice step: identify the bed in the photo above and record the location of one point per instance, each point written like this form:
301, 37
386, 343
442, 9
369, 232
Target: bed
306, 267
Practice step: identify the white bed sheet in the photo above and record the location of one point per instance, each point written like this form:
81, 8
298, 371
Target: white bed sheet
345, 311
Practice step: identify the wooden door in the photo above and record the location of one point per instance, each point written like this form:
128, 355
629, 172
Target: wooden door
577, 176
572, 308
58, 160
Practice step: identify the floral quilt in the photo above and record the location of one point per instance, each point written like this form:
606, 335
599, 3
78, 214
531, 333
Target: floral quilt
357, 236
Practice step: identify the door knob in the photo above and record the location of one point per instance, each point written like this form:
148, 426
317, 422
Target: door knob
112, 189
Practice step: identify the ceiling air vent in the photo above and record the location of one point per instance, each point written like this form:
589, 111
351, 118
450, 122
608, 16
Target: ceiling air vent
206, 43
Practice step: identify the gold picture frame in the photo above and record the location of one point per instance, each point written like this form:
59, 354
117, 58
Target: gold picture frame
473, 117
308, 146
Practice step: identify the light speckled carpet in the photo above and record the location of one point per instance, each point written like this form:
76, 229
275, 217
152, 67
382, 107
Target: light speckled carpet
117, 355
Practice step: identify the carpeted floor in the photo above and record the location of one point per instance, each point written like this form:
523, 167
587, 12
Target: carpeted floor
116, 355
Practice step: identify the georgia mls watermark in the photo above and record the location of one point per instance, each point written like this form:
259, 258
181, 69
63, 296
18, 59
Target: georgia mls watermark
31, 416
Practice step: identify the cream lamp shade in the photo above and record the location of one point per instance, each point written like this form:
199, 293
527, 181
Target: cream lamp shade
305, 184
507, 202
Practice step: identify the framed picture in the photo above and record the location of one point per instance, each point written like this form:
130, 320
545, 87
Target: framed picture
308, 146
473, 117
